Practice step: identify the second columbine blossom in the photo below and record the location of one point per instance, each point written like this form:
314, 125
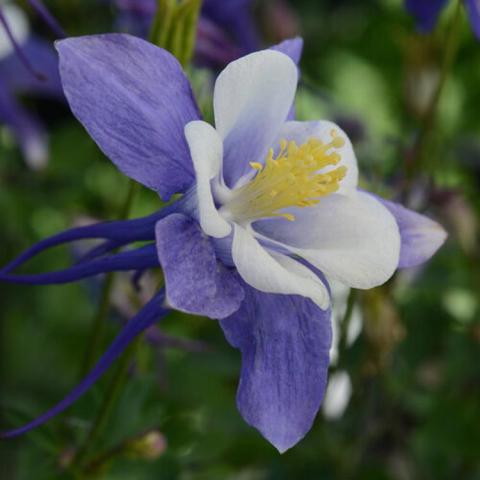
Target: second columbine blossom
31, 70
426, 13
270, 212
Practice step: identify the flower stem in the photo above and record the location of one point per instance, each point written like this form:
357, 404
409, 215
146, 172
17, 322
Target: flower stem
112, 393
344, 325
97, 327
420, 147
98, 462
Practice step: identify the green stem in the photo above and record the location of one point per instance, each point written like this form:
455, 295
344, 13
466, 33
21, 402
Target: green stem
119, 379
97, 463
97, 327
174, 27
347, 317
112, 393
420, 148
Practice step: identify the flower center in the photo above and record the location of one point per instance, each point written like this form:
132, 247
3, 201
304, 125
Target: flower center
290, 179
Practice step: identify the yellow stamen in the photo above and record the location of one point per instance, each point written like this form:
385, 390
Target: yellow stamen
292, 178
256, 165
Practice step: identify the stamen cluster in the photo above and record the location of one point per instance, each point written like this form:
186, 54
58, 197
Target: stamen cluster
290, 179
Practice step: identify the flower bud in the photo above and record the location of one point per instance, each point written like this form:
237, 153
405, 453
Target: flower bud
149, 446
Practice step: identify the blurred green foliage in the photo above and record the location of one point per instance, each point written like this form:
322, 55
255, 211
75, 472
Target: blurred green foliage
415, 408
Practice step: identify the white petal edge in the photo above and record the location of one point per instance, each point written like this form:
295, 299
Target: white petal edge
353, 239
36, 151
18, 23
322, 129
252, 98
275, 273
337, 396
206, 149
262, 78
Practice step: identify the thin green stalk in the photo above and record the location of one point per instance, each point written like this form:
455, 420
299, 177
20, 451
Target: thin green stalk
134, 445
422, 142
97, 327
97, 463
344, 325
113, 391
174, 27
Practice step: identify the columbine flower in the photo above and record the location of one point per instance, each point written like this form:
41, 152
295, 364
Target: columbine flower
31, 70
426, 13
270, 211
225, 29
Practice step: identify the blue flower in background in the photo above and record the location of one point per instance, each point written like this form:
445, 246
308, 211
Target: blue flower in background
226, 29
235, 19
270, 212
28, 66
426, 13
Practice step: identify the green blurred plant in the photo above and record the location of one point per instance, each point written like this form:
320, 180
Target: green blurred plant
175, 27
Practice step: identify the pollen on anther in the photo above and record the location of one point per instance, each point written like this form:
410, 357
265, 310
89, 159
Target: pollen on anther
292, 177
256, 165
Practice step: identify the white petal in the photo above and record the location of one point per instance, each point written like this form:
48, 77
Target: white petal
353, 239
274, 273
18, 23
36, 151
252, 98
337, 397
206, 149
303, 131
